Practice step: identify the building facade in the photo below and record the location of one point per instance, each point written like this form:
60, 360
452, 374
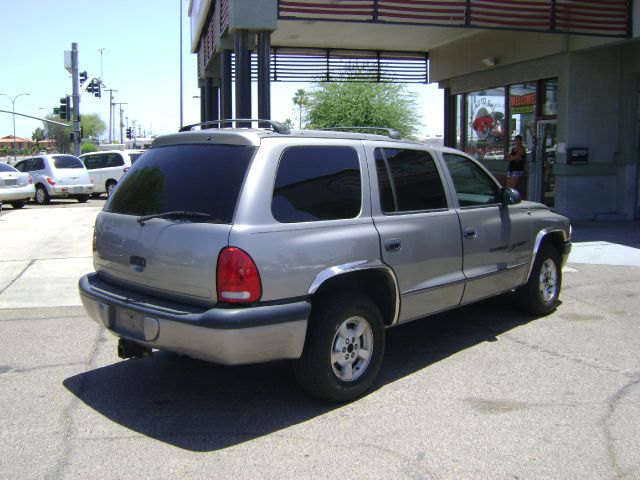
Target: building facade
564, 74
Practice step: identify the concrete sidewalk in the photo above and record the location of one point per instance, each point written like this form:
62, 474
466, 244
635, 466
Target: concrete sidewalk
606, 243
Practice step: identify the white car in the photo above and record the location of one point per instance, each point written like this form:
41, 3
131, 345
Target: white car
57, 175
107, 168
16, 188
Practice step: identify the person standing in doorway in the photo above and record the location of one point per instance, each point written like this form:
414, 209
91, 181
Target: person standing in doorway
516, 158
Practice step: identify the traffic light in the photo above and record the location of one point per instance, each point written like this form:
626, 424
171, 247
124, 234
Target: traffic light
129, 135
65, 108
83, 77
96, 88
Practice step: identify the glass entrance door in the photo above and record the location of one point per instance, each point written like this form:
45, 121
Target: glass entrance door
542, 180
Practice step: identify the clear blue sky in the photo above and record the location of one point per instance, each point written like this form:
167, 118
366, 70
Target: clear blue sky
141, 60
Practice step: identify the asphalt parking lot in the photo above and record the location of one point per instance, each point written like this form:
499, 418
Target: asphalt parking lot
480, 392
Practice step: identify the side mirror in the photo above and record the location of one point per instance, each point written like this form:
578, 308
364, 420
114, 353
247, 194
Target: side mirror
510, 196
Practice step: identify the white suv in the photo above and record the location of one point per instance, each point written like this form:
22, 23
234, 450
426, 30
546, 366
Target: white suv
107, 168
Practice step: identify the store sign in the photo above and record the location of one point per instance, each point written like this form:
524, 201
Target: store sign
523, 103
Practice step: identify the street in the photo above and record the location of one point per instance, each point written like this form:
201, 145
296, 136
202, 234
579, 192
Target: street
476, 393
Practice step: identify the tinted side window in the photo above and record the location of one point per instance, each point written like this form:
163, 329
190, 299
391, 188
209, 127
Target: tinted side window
21, 166
408, 181
134, 156
317, 183
37, 164
473, 186
114, 160
92, 161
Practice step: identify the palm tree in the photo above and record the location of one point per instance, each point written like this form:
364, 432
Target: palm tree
301, 100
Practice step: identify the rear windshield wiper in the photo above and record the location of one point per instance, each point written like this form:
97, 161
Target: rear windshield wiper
177, 213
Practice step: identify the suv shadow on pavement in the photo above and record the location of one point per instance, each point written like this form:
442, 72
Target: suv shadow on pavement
199, 406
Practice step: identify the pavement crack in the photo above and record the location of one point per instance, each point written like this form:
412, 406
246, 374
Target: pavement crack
60, 465
17, 277
612, 403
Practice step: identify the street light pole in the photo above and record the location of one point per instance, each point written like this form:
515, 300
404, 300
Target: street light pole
13, 102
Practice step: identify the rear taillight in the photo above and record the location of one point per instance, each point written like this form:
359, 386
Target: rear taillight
30, 179
237, 277
51, 181
125, 170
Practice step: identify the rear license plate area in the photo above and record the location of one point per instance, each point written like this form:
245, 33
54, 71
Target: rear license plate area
129, 323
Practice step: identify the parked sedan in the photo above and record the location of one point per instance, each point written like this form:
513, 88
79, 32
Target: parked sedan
57, 175
16, 187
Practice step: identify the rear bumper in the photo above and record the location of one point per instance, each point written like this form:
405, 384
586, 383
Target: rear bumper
68, 190
228, 336
17, 194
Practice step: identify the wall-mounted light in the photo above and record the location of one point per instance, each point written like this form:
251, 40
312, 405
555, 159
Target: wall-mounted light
489, 61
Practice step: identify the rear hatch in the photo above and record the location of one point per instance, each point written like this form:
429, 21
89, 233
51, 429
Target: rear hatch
70, 171
161, 231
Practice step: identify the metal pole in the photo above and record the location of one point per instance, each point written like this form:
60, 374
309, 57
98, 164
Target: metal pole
264, 75
13, 103
101, 50
181, 99
76, 99
243, 74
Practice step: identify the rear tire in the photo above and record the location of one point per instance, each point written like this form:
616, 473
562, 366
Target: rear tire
42, 196
343, 350
17, 205
82, 198
541, 292
110, 187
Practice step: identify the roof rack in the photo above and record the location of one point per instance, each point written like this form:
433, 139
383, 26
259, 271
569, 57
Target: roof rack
275, 126
391, 133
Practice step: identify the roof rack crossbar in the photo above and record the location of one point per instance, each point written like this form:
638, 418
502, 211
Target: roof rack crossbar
277, 127
391, 133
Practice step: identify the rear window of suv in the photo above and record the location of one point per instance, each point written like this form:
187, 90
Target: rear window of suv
195, 178
67, 161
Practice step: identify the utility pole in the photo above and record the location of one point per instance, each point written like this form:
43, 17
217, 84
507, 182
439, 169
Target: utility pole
110, 90
121, 123
75, 111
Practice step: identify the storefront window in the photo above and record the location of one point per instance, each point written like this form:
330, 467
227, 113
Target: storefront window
550, 97
522, 103
485, 125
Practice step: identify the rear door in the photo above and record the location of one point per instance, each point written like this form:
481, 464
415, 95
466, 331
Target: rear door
69, 171
419, 234
495, 237
143, 244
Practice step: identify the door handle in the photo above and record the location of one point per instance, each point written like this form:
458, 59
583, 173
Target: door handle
392, 245
470, 233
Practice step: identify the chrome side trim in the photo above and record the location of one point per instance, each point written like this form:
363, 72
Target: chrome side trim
539, 237
359, 265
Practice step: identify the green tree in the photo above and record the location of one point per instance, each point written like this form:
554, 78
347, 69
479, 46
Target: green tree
58, 133
350, 104
88, 147
301, 100
92, 125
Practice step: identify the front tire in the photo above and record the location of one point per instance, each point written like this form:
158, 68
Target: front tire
18, 204
343, 350
541, 292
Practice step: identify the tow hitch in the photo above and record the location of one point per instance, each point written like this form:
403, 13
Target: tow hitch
129, 349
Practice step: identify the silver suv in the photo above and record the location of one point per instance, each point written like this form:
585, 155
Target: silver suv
244, 245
